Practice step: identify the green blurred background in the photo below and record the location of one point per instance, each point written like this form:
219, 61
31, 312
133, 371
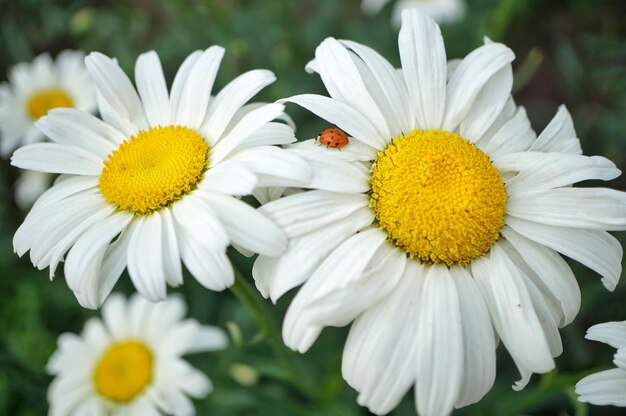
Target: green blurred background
568, 51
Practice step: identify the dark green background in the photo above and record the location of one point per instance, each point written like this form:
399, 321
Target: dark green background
571, 52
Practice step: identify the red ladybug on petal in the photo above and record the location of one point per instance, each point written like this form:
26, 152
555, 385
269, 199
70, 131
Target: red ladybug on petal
333, 137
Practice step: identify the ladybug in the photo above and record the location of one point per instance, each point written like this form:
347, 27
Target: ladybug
333, 137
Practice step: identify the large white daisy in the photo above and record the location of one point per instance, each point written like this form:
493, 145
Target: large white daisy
157, 180
606, 387
440, 221
130, 363
442, 11
34, 89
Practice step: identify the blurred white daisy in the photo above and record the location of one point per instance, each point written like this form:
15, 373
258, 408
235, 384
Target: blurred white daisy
157, 181
33, 90
606, 387
130, 363
439, 222
443, 11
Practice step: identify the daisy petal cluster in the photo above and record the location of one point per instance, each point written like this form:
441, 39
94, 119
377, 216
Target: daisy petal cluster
439, 228
130, 362
606, 387
157, 180
32, 91
442, 11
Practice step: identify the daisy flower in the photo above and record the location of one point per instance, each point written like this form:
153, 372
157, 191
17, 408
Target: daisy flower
33, 90
436, 229
443, 11
130, 362
157, 181
606, 387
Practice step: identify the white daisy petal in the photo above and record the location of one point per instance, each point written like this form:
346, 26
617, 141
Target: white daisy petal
197, 218
180, 80
339, 302
333, 174
553, 271
275, 167
592, 208
145, 258
113, 264
192, 382
539, 171
379, 355
29, 186
596, 249
208, 338
345, 117
612, 333
152, 88
488, 104
211, 268
231, 178
440, 350
603, 388
165, 317
111, 117
548, 310
116, 89
559, 135
472, 74
394, 92
479, 344
63, 189
345, 263
230, 99
347, 85
238, 137
423, 58
71, 232
620, 359
190, 104
74, 393
284, 118
325, 295
309, 211
114, 313
87, 254
274, 276
272, 133
510, 306
171, 253
178, 404
53, 229
354, 151
57, 158
246, 226
72, 127
514, 135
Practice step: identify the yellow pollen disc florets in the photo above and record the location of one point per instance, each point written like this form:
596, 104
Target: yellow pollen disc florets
41, 102
438, 197
154, 168
123, 371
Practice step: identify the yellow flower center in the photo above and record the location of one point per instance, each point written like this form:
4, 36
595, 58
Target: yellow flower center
438, 197
154, 168
123, 371
40, 103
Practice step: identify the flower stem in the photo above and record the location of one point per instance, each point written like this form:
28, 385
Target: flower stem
298, 375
